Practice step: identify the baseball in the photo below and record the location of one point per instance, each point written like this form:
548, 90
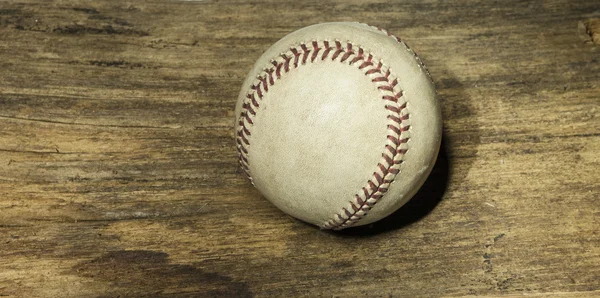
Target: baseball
338, 124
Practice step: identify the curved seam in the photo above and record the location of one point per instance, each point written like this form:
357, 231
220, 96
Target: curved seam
397, 119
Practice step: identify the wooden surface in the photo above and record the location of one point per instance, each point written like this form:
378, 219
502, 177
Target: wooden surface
118, 173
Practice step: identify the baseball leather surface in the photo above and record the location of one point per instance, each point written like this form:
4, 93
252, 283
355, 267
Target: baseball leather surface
338, 124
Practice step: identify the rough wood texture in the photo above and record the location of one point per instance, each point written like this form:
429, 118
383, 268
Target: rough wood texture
118, 173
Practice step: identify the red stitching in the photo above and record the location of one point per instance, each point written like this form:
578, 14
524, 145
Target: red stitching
359, 56
316, 50
278, 68
243, 149
367, 63
347, 212
365, 191
253, 100
394, 128
245, 115
258, 91
378, 177
391, 149
377, 186
296, 56
270, 74
349, 53
286, 65
392, 108
395, 119
249, 108
376, 197
244, 139
246, 131
386, 88
327, 50
359, 200
394, 140
263, 80
372, 185
388, 159
375, 70
306, 52
338, 51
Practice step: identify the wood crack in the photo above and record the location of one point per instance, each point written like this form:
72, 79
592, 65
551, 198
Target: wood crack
85, 124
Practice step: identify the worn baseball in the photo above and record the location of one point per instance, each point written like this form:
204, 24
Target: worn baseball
338, 124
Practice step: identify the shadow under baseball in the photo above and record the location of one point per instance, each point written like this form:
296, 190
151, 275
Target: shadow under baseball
425, 200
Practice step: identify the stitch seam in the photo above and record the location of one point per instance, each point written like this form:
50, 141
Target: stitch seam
398, 123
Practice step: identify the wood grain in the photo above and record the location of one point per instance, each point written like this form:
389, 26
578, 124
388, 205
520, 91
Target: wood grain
118, 173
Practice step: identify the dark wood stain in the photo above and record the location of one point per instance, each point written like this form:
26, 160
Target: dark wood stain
119, 176
148, 273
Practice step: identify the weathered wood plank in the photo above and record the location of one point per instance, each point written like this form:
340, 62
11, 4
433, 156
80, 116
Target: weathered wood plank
118, 172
